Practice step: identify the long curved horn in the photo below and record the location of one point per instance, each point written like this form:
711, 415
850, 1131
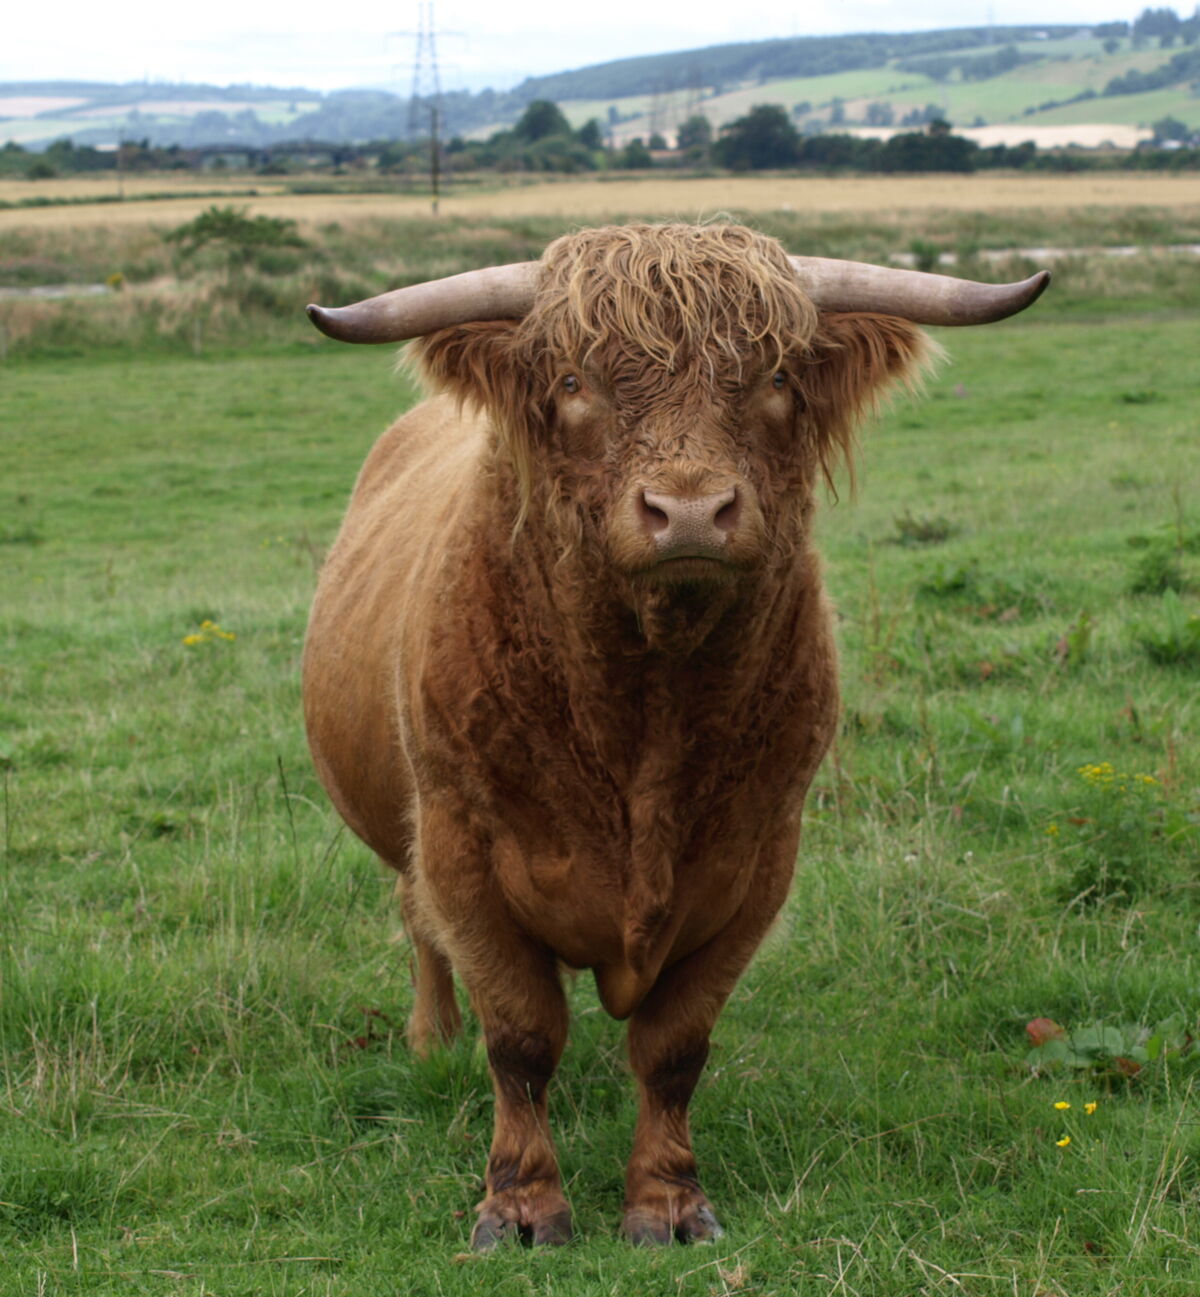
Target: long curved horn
914, 295
494, 293
507, 292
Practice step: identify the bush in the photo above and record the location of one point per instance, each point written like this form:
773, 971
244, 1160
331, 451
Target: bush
240, 237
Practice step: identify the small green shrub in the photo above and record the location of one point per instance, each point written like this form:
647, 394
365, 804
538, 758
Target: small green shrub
241, 238
1161, 565
1176, 640
913, 531
926, 256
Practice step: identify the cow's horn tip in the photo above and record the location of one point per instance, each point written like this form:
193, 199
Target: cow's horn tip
319, 316
1038, 284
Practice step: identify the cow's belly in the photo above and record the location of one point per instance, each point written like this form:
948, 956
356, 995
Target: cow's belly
576, 906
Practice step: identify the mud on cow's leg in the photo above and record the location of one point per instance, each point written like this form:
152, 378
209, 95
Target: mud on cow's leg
517, 995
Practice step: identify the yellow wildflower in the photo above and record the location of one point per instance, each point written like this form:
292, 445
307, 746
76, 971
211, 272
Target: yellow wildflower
209, 630
1090, 1108
1062, 1143
1062, 1105
1052, 830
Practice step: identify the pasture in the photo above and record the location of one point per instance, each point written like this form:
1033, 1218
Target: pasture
205, 1089
591, 200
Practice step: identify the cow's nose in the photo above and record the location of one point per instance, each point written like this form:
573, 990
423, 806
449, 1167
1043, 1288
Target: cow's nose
690, 526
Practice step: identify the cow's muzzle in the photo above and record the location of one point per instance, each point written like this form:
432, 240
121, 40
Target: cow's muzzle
690, 526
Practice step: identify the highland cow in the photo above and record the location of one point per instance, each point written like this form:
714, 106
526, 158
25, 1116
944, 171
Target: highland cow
570, 669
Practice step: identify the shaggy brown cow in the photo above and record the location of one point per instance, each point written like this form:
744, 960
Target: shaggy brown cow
570, 668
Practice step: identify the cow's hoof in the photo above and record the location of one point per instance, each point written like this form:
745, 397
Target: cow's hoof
689, 1221
533, 1218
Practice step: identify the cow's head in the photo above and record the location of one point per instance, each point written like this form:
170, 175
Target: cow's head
668, 396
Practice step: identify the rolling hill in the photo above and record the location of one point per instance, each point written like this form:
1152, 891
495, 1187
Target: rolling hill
1023, 78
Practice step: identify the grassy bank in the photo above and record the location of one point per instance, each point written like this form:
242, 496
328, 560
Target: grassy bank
163, 301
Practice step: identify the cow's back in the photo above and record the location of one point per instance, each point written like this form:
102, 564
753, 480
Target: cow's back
384, 568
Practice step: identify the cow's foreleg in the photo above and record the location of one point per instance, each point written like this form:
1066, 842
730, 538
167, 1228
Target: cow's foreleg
668, 1045
516, 992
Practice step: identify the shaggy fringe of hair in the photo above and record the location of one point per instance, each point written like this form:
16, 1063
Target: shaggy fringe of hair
669, 293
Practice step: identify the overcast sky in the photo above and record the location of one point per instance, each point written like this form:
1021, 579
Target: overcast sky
269, 42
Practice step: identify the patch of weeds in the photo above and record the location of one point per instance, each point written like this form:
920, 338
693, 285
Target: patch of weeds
1141, 396
1176, 640
157, 824
913, 531
1107, 1051
990, 596
1118, 836
22, 533
992, 736
1161, 564
1075, 645
1158, 570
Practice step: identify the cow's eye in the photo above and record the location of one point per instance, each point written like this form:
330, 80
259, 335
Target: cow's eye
571, 384
779, 382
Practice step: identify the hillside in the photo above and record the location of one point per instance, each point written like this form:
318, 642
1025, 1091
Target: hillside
1053, 81
1022, 77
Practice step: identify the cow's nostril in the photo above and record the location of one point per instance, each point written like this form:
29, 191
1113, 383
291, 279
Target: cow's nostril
654, 518
728, 512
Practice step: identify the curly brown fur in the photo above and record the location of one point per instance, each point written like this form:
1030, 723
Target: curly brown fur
575, 749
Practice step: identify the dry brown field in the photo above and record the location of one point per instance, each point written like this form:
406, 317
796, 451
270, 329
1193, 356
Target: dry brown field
601, 198
104, 185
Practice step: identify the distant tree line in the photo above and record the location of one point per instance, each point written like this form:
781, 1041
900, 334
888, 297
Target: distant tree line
543, 140
977, 67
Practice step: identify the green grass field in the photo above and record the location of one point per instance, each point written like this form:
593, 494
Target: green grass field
205, 1089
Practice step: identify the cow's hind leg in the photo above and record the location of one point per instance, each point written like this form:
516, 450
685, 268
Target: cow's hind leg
517, 995
668, 1046
435, 1018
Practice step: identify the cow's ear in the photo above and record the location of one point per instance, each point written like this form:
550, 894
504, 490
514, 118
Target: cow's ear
474, 362
483, 365
853, 362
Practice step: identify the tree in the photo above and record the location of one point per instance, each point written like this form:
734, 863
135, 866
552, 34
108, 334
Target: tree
765, 137
1160, 23
1170, 128
541, 119
590, 135
694, 138
933, 151
636, 156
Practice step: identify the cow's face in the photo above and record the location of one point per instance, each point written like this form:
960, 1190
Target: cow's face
669, 410
679, 478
